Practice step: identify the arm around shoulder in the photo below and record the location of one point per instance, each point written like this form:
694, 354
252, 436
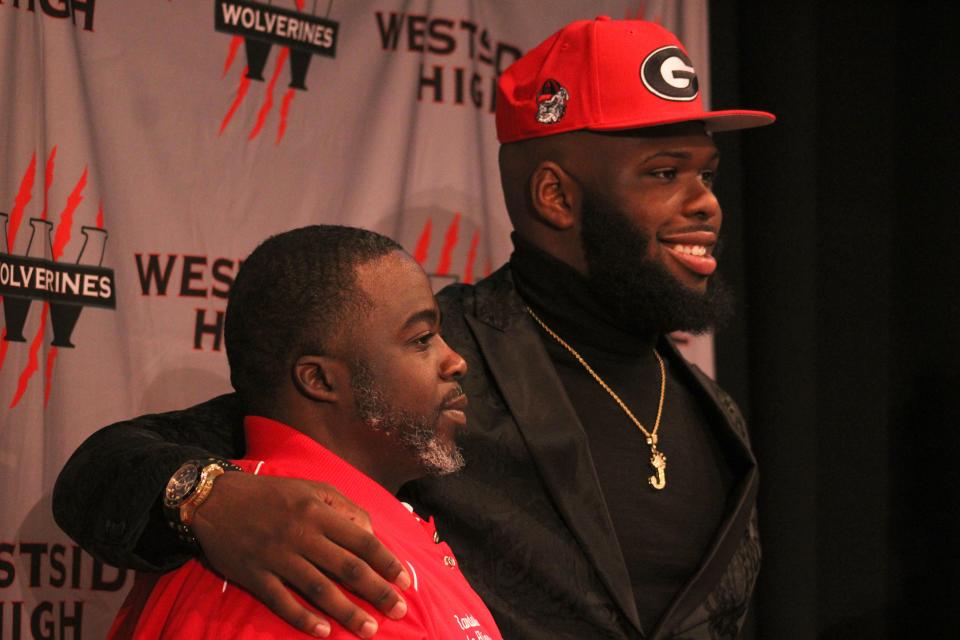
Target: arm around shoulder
107, 497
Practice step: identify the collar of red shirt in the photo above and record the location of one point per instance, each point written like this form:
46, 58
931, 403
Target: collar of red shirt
290, 453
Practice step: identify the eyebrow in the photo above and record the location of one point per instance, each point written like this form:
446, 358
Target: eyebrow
424, 315
678, 155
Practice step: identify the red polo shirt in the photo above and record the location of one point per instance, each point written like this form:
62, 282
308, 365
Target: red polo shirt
193, 602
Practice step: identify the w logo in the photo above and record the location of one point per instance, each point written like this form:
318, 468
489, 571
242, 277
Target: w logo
259, 26
40, 282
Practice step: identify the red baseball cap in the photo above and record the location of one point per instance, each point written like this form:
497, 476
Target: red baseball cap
606, 75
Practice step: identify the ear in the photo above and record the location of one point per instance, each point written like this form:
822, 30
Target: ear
319, 378
555, 196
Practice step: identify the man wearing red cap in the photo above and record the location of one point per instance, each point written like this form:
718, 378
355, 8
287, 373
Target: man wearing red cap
610, 488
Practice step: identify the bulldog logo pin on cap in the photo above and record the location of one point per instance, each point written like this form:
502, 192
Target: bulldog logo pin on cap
551, 102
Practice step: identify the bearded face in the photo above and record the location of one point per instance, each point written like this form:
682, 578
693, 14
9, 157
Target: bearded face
632, 282
422, 434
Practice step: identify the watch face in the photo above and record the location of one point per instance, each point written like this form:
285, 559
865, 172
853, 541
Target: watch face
181, 483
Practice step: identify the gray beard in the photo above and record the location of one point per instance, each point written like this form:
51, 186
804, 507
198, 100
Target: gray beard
416, 433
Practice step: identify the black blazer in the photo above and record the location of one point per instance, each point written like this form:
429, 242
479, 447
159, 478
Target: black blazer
526, 517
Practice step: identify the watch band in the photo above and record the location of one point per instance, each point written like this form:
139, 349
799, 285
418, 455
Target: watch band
189, 506
182, 500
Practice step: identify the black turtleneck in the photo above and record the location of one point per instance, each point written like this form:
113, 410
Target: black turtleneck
663, 534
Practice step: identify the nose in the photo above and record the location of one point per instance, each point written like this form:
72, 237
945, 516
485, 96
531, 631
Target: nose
452, 365
703, 206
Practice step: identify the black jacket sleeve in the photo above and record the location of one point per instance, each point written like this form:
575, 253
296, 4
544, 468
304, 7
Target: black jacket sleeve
107, 497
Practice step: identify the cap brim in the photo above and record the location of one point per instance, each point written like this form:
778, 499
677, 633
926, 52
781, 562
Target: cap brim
734, 119
729, 120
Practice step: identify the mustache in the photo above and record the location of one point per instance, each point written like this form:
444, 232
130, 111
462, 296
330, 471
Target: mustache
452, 395
700, 226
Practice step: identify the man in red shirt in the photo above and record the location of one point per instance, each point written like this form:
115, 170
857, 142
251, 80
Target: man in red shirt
333, 339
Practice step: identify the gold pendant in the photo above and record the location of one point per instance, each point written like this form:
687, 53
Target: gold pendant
659, 462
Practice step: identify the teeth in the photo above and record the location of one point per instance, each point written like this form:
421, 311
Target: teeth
691, 250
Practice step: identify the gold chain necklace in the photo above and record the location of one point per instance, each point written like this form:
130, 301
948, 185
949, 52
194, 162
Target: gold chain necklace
657, 460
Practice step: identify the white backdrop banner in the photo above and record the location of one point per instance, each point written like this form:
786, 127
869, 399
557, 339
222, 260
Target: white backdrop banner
146, 146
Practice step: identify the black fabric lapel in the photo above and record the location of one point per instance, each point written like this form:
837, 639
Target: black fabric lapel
732, 437
554, 436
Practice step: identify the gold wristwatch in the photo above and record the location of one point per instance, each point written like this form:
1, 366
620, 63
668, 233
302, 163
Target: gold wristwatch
187, 489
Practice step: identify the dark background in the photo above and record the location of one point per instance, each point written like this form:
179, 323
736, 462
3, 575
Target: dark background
842, 230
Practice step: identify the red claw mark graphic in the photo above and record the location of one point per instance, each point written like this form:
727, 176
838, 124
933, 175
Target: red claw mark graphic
32, 366
284, 112
423, 244
48, 180
268, 98
232, 54
3, 346
65, 226
241, 92
471, 258
449, 244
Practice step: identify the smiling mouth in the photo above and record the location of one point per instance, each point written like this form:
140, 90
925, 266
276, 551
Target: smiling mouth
695, 258
693, 250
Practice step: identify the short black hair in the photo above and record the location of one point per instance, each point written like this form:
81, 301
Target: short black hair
290, 298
